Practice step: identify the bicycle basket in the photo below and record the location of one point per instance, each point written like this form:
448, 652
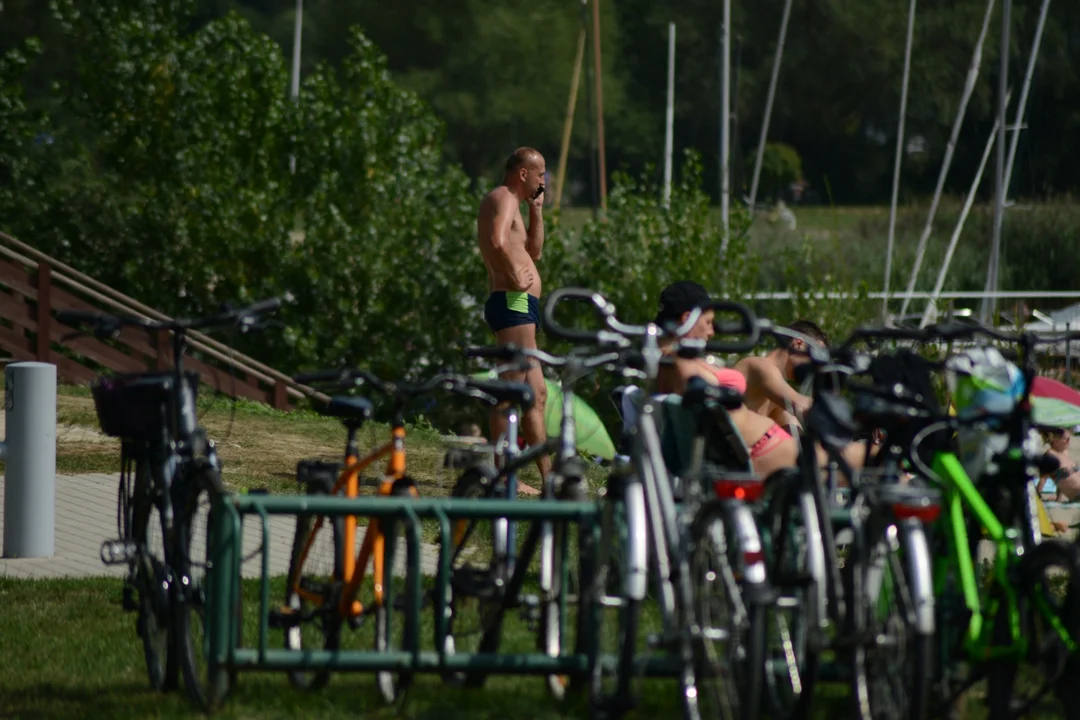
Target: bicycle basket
136, 406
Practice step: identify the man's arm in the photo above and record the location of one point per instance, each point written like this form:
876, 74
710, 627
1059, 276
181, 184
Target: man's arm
534, 240
784, 419
767, 380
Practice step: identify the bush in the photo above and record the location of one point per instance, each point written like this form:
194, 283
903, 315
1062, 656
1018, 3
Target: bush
640, 247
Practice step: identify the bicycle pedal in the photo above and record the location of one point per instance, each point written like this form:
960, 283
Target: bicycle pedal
284, 618
118, 552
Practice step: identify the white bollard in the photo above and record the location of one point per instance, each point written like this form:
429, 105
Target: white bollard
30, 455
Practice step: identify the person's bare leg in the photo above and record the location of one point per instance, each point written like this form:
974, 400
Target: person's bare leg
854, 455
532, 422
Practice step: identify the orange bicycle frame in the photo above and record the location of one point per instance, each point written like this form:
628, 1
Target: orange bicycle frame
374, 545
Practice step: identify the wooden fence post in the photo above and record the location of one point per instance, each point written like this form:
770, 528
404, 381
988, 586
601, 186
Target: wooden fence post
164, 350
281, 395
44, 312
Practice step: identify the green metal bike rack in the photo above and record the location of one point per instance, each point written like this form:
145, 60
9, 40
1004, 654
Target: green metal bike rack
226, 655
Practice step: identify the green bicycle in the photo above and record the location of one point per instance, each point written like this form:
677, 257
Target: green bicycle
1027, 606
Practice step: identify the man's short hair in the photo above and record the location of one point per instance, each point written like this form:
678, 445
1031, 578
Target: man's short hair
810, 329
520, 158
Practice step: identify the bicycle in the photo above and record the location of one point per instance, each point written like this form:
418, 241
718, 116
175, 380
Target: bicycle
320, 599
704, 451
167, 464
486, 480
500, 583
639, 510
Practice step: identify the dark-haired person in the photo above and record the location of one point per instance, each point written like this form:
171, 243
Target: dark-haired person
767, 390
510, 251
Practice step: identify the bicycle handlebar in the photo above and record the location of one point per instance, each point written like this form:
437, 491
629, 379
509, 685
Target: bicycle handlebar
954, 330
616, 331
601, 306
356, 377
515, 354
106, 324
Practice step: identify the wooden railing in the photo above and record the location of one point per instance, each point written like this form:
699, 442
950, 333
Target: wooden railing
34, 286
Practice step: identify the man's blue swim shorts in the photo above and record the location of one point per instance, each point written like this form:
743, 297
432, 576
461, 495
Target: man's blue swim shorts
509, 309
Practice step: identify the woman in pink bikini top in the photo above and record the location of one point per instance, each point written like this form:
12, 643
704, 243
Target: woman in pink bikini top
771, 447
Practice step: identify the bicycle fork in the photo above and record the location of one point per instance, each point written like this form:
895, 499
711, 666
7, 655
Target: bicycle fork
504, 531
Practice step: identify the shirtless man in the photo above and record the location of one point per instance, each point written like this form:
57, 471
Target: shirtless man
767, 391
510, 252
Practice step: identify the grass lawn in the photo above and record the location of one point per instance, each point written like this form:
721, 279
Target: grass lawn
70, 652
79, 657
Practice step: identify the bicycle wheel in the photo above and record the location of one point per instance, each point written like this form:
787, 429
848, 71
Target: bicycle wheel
190, 561
1051, 596
150, 582
391, 619
311, 616
554, 538
891, 667
478, 564
795, 566
622, 547
730, 649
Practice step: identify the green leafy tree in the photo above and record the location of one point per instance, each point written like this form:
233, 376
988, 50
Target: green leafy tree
390, 270
21, 131
183, 195
780, 166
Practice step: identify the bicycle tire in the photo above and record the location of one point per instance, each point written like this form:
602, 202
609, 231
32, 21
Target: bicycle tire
788, 509
392, 684
872, 700
551, 625
190, 598
1000, 672
612, 558
153, 622
1049, 553
327, 614
715, 561
468, 583
925, 646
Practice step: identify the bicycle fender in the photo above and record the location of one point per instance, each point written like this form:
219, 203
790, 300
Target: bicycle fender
921, 575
